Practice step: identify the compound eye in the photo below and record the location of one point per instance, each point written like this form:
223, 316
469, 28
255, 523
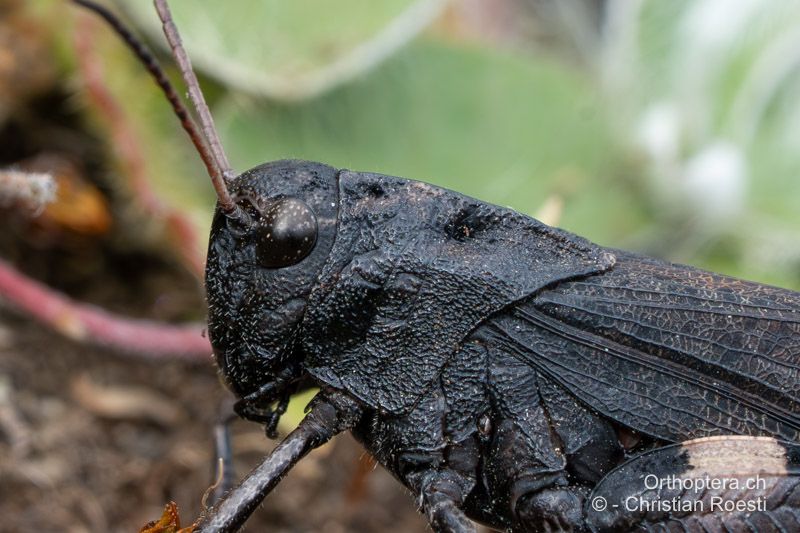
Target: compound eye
286, 233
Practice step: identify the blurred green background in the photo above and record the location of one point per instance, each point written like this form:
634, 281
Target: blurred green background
665, 127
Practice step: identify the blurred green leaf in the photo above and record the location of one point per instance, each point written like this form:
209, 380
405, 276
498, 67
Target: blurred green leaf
290, 50
499, 127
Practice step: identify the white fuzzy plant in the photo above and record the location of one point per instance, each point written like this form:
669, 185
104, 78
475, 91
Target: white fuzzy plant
706, 91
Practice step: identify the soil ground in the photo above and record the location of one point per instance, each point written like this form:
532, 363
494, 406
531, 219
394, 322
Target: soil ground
92, 440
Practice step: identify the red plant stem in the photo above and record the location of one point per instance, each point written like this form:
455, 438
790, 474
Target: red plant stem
88, 323
129, 150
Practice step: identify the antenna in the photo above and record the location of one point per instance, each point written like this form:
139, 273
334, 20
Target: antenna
207, 143
195, 93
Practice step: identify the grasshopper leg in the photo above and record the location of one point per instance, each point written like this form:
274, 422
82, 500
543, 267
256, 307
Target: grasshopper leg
442, 497
555, 509
330, 413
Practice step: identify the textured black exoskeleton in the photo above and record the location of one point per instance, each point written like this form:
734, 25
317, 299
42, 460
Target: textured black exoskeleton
500, 368
503, 370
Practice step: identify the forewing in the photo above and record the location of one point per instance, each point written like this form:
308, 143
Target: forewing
672, 351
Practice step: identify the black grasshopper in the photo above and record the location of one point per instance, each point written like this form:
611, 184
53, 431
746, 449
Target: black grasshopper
503, 370
496, 365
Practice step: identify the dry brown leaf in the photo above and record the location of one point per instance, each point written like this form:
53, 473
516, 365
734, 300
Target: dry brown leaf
169, 522
124, 402
79, 206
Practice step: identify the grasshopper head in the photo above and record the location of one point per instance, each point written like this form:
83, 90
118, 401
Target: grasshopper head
273, 229
262, 265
